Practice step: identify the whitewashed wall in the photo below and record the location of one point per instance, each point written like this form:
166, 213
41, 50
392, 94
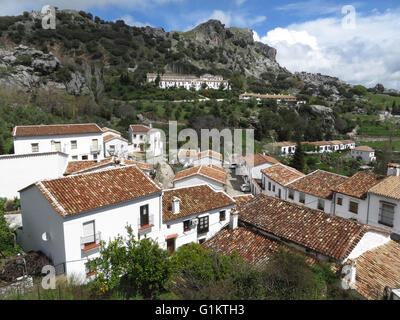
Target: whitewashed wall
373, 214
19, 171
370, 241
176, 227
312, 201
121, 148
343, 210
22, 145
277, 186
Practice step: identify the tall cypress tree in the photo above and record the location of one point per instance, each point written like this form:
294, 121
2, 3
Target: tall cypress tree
298, 157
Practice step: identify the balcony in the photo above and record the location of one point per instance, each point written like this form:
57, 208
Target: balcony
95, 149
90, 243
146, 226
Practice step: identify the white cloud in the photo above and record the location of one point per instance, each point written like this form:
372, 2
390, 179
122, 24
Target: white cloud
131, 21
365, 55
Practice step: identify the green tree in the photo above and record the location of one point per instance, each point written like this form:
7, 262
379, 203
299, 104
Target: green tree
136, 267
8, 247
298, 157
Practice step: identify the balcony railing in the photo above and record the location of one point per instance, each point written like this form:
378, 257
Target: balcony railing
90, 242
145, 226
95, 149
386, 217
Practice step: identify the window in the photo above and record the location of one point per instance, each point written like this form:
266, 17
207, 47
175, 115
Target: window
144, 215
386, 214
186, 226
201, 241
279, 193
222, 215
57, 146
291, 194
269, 186
74, 157
95, 145
35, 147
203, 225
321, 204
273, 188
141, 137
134, 136
85, 158
353, 207
340, 201
302, 198
74, 144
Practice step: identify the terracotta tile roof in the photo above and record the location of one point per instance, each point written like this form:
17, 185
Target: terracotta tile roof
194, 200
139, 128
105, 129
318, 183
336, 142
141, 165
74, 167
254, 248
358, 185
57, 129
110, 137
329, 235
377, 269
241, 200
254, 160
389, 187
282, 144
364, 148
203, 170
210, 154
321, 143
282, 174
268, 96
348, 141
85, 192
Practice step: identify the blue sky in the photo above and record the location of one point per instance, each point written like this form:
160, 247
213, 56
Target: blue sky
309, 34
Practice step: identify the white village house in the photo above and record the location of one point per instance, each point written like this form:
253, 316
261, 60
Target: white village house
208, 158
194, 214
145, 139
367, 154
212, 175
79, 141
66, 218
189, 82
250, 166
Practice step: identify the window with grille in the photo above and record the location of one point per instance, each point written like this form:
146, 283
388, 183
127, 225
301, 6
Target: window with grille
340, 201
353, 207
203, 225
386, 214
74, 144
222, 216
35, 147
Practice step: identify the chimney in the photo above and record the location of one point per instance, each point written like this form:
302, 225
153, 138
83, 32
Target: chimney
233, 222
176, 205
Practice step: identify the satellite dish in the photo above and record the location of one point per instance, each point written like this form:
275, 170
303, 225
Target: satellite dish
45, 236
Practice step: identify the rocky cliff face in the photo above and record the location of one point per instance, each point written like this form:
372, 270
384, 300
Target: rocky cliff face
29, 69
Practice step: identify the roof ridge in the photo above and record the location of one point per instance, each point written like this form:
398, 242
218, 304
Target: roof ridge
48, 193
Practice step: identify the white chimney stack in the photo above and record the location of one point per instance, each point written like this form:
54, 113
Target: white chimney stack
233, 222
176, 205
